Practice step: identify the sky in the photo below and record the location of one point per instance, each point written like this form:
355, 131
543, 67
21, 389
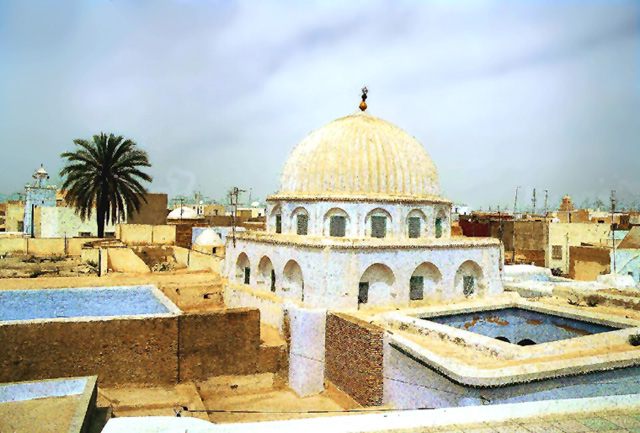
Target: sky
535, 94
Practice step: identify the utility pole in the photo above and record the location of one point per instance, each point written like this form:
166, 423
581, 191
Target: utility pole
515, 208
613, 228
233, 201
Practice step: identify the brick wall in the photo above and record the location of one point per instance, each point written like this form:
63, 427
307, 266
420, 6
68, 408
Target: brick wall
353, 358
183, 232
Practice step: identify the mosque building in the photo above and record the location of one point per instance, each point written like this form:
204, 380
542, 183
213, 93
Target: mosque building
359, 221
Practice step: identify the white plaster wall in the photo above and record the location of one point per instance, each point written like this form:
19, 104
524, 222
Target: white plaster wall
409, 384
57, 222
271, 312
397, 228
331, 276
306, 352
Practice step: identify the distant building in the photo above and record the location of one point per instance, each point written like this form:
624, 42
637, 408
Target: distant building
153, 210
627, 255
38, 194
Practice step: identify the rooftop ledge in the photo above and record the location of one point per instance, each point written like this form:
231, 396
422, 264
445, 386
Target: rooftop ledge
370, 243
510, 364
356, 197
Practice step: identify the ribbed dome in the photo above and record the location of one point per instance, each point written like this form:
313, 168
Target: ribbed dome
359, 156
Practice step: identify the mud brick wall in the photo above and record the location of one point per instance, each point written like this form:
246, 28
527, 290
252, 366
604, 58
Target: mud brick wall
219, 343
118, 350
353, 358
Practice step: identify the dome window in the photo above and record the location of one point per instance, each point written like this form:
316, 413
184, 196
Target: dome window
378, 226
302, 224
414, 227
337, 226
278, 223
438, 227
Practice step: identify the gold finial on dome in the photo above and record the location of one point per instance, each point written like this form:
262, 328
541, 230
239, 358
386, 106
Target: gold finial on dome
363, 104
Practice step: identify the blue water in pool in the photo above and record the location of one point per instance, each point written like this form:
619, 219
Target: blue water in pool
81, 302
520, 326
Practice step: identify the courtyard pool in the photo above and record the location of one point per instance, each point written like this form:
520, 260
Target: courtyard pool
83, 302
521, 326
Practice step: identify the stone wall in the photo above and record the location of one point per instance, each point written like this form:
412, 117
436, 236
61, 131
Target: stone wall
219, 343
118, 350
157, 350
354, 358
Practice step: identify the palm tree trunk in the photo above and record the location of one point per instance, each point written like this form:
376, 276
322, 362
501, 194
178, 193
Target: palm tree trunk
100, 215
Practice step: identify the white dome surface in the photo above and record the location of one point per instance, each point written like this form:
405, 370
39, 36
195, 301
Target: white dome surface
209, 237
360, 156
183, 212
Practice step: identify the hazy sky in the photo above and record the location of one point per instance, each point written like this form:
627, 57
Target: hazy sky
541, 94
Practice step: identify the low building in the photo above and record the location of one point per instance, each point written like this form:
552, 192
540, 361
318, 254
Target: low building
562, 236
627, 255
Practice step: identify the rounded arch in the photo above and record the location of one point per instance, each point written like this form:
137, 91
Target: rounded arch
300, 220
416, 224
266, 274
376, 285
526, 342
425, 279
505, 339
469, 278
336, 222
243, 269
377, 223
293, 280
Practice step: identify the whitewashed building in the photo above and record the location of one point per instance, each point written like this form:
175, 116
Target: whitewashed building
359, 221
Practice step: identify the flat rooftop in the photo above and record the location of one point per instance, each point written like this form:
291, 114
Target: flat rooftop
20, 305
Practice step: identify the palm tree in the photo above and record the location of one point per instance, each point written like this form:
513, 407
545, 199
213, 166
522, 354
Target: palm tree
104, 174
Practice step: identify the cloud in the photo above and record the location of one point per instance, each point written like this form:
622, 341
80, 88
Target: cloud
537, 94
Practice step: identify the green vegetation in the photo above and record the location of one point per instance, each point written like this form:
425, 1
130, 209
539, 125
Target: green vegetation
105, 174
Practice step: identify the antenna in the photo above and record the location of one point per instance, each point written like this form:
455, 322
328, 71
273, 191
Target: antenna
515, 208
613, 227
546, 196
533, 202
233, 201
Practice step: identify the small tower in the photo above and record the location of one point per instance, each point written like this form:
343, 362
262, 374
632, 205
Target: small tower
38, 194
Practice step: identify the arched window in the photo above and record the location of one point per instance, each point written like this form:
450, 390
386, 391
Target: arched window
336, 222
300, 220
293, 280
376, 284
377, 222
468, 278
266, 274
441, 220
424, 279
415, 223
276, 217
243, 269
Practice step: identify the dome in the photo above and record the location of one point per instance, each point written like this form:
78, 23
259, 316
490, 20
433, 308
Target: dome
182, 212
359, 156
208, 237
